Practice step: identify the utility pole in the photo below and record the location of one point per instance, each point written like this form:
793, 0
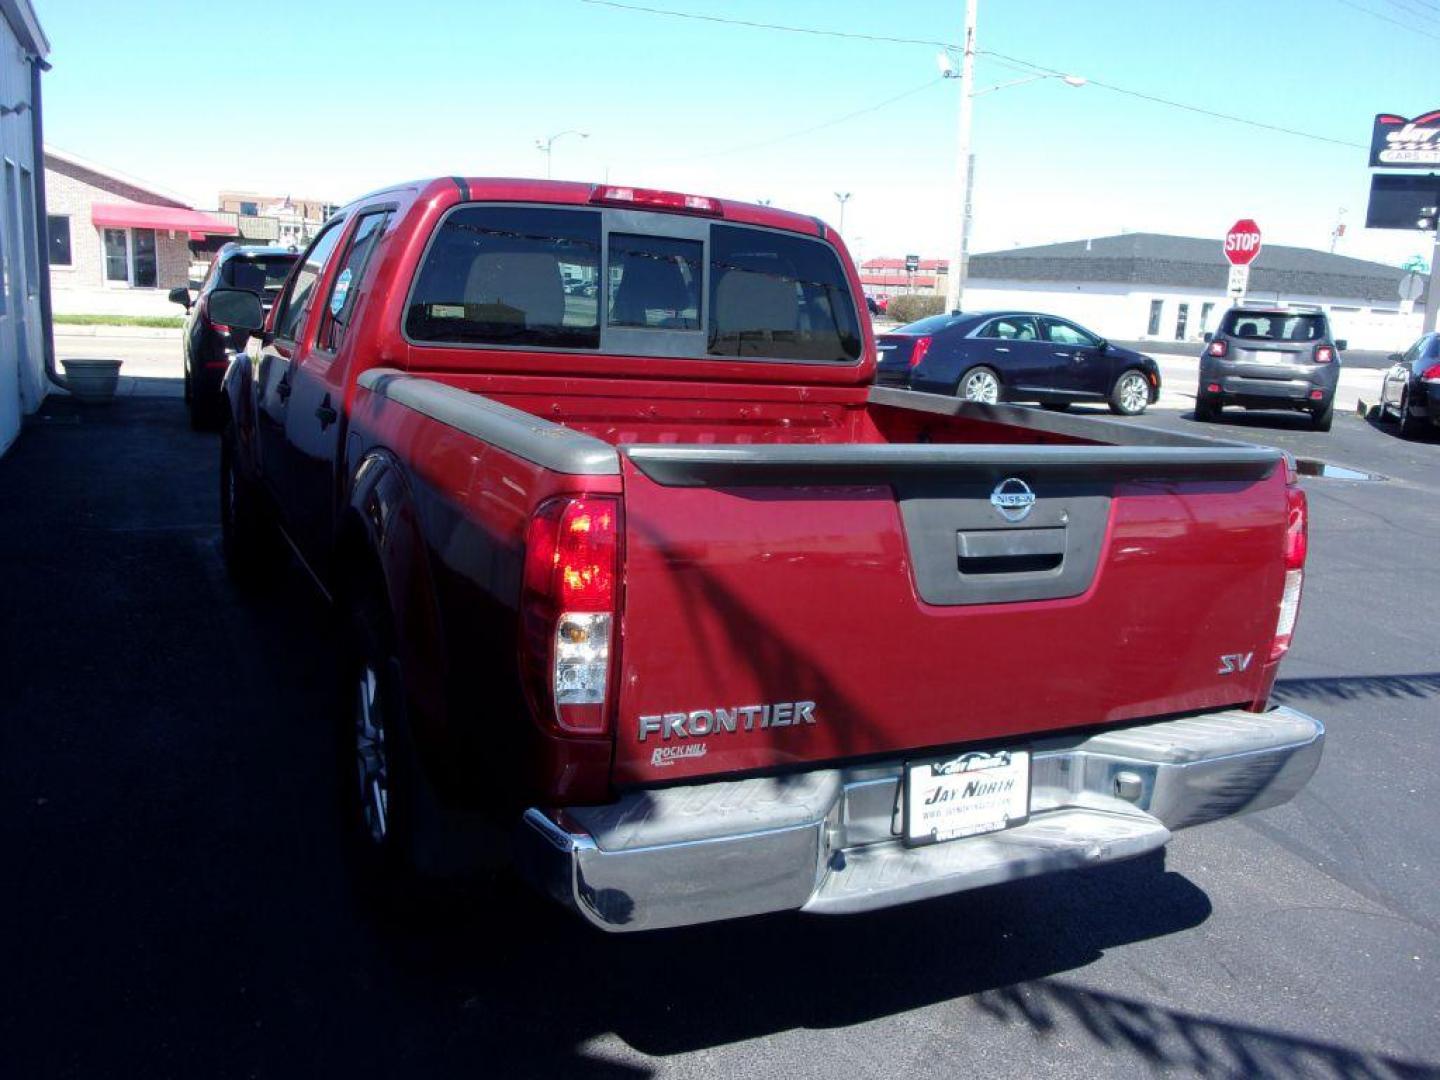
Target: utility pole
955, 286
843, 197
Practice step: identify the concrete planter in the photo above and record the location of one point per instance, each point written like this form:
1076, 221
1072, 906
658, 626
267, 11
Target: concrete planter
91, 380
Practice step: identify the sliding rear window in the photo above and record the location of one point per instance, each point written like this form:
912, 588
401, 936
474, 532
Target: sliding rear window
504, 275
779, 297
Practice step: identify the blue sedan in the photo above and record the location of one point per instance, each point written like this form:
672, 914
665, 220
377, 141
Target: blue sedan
994, 356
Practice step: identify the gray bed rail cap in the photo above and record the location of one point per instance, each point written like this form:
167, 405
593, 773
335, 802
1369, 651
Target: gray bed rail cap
551, 446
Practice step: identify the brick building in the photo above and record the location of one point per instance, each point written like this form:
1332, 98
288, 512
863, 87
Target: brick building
117, 245
295, 220
889, 276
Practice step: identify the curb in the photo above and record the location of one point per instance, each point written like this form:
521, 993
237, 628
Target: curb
106, 330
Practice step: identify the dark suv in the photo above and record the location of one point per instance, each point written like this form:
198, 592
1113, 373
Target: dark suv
1270, 356
208, 345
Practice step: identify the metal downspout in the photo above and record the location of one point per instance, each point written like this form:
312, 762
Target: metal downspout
42, 228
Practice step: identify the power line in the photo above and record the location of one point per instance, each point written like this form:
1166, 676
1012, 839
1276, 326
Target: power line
1178, 104
806, 131
1026, 65
1386, 18
1409, 7
769, 26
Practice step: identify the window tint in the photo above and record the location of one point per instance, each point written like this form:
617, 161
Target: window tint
58, 226
346, 287
654, 282
261, 274
1011, 328
302, 286
495, 275
1273, 326
778, 297
930, 325
1062, 333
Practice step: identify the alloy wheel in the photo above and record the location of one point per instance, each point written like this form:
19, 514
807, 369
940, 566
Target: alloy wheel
1134, 393
371, 765
982, 387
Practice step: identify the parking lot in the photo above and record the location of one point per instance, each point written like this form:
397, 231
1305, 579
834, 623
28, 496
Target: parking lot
177, 903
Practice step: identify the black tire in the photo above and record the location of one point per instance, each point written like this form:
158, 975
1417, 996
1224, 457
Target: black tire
1322, 419
374, 794
1207, 411
1409, 426
1125, 398
247, 531
1055, 406
204, 412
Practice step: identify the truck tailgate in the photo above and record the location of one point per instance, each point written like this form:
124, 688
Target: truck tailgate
795, 604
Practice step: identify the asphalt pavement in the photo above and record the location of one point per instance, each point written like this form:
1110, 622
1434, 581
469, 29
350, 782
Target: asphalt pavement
177, 905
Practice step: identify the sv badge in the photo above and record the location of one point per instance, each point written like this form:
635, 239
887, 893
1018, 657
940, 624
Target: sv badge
1230, 663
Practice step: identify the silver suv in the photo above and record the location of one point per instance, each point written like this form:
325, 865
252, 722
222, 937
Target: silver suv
1270, 356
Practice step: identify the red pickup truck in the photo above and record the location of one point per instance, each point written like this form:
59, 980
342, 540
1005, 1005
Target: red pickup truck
639, 565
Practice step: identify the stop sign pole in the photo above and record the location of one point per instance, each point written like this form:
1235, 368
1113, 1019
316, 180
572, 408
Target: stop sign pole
1242, 245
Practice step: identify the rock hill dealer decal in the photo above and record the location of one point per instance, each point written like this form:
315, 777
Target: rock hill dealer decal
1406, 144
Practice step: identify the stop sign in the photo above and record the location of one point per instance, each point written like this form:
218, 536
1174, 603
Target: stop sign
1242, 242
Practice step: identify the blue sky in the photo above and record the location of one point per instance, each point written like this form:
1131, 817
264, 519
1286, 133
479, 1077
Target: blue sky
331, 100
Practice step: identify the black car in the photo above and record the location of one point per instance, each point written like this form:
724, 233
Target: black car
208, 345
1270, 356
1411, 388
993, 356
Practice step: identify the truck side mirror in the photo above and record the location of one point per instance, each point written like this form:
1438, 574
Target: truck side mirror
1341, 344
1396, 358
238, 308
180, 295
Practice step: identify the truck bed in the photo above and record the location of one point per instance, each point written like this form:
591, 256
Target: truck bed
813, 578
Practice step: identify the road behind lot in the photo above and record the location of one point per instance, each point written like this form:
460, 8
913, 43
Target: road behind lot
176, 905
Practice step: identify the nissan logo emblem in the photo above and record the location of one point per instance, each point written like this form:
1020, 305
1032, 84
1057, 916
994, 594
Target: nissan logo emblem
1012, 498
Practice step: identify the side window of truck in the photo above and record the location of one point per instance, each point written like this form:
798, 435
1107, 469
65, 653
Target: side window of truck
512, 276
296, 302
779, 297
347, 284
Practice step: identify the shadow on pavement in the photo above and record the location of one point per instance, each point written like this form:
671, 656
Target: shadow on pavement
1167, 1040
1359, 687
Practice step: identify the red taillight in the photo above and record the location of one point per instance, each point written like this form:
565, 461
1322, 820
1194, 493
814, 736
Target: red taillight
1431, 374
1218, 347
922, 346
1324, 354
568, 612
667, 200
220, 328
1297, 544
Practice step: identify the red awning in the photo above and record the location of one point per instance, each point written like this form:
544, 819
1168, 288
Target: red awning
166, 218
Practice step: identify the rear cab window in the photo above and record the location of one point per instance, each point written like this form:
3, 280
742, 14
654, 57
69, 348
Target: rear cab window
264, 275
630, 283
1273, 326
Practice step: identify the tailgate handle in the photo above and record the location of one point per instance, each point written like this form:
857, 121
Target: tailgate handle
1010, 551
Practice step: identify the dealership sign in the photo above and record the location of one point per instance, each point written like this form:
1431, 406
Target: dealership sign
1406, 144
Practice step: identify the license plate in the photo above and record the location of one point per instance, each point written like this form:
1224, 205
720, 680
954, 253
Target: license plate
974, 793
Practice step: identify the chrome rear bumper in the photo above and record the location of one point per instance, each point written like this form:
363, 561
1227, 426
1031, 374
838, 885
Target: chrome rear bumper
827, 841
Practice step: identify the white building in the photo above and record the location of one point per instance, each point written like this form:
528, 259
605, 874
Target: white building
24, 323
1150, 287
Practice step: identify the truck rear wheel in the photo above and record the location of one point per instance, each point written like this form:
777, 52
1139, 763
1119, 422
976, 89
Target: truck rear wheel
373, 758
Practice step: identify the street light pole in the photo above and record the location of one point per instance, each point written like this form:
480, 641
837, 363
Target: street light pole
843, 197
546, 146
955, 284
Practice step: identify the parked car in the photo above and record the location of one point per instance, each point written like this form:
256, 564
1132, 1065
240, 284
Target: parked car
872, 305
994, 356
643, 585
1270, 356
1411, 387
207, 345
